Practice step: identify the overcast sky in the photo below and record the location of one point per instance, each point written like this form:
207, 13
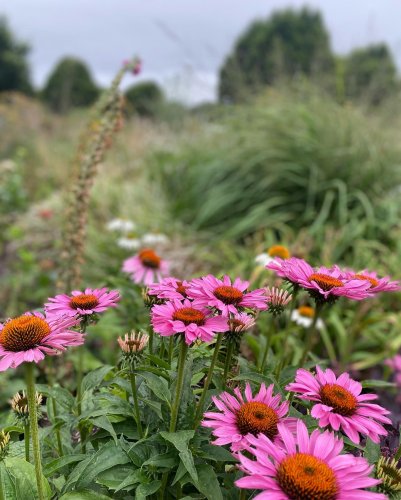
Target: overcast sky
182, 42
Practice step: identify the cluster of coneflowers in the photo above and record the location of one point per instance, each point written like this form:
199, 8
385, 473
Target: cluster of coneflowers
28, 338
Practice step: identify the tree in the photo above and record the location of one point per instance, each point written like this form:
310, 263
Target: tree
289, 43
144, 99
70, 85
370, 74
14, 70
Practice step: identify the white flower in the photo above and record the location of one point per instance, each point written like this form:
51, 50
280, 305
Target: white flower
121, 225
154, 239
304, 317
263, 259
129, 243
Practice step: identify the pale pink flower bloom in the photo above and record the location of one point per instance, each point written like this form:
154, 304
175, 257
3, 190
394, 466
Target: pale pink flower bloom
226, 296
377, 284
90, 301
146, 267
241, 417
29, 337
277, 297
188, 318
169, 288
240, 322
322, 281
338, 403
133, 343
305, 467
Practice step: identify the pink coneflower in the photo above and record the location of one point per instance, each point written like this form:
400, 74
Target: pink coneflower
226, 296
338, 403
29, 337
377, 284
89, 302
239, 418
322, 282
277, 299
146, 267
169, 288
305, 468
240, 322
189, 318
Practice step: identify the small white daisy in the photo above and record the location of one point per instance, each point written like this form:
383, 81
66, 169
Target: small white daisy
303, 316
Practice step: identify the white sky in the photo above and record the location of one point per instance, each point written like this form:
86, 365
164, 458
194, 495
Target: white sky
182, 42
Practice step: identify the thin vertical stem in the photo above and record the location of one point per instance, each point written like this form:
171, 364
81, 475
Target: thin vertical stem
162, 348
33, 417
136, 405
180, 381
151, 341
170, 349
309, 334
58, 433
269, 338
227, 363
201, 402
26, 440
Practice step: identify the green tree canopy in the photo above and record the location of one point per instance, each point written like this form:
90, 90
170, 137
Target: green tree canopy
70, 85
287, 44
14, 69
144, 98
370, 74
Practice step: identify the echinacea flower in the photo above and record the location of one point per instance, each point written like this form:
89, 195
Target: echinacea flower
19, 405
322, 283
88, 302
389, 472
129, 243
377, 284
277, 299
274, 251
121, 225
188, 318
133, 343
225, 296
29, 337
305, 468
146, 267
239, 323
169, 288
241, 416
304, 315
338, 403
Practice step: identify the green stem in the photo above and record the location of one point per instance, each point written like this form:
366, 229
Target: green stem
162, 348
58, 433
293, 303
310, 333
26, 439
269, 338
151, 341
180, 381
1, 487
199, 408
136, 405
170, 349
30, 386
397, 456
80, 375
227, 363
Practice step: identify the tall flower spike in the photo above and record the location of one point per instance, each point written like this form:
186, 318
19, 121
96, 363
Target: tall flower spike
19, 405
277, 299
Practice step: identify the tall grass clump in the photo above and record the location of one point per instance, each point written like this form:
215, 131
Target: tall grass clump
294, 158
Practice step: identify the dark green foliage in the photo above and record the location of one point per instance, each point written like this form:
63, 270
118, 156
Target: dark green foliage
286, 45
70, 85
144, 99
370, 74
14, 71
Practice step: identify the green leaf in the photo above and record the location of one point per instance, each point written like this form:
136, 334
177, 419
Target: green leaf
94, 378
163, 460
84, 495
208, 483
377, 383
51, 467
372, 451
216, 453
106, 457
157, 385
63, 397
104, 423
18, 480
188, 460
112, 478
135, 477
179, 439
144, 490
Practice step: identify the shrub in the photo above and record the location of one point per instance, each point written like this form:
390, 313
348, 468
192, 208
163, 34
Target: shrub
70, 85
144, 99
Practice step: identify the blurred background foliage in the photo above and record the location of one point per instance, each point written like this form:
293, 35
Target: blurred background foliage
303, 148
